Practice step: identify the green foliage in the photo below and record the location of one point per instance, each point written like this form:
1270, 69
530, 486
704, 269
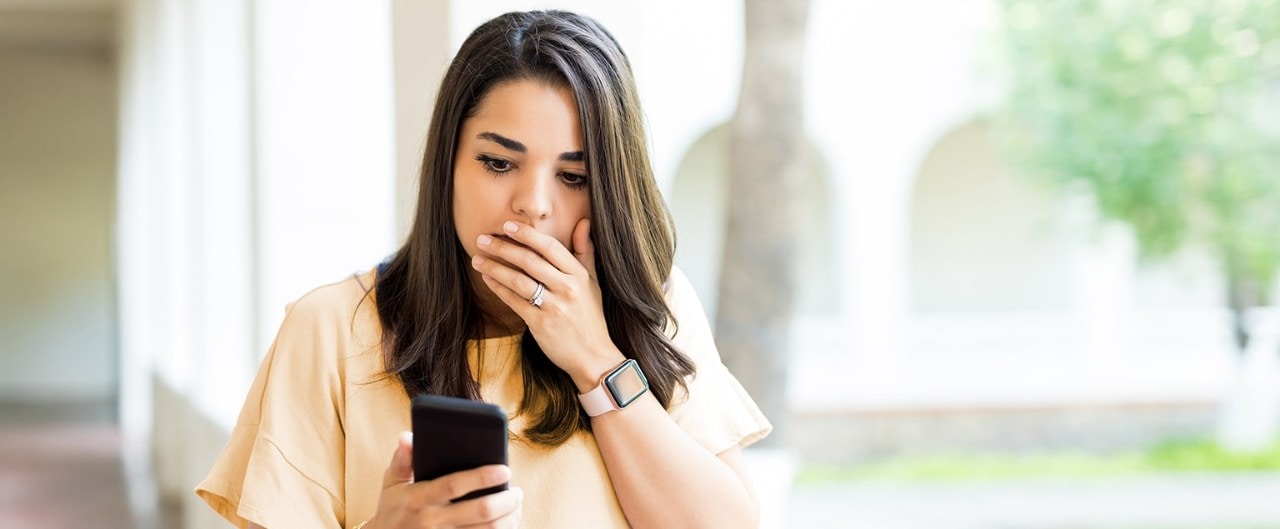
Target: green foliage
966, 467
1167, 112
1202, 455
1196, 455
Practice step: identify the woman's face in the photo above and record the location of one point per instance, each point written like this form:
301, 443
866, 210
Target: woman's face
520, 158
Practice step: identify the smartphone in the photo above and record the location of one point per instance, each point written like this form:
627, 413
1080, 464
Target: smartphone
452, 434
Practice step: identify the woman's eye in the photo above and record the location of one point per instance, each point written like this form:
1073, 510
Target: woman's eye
574, 180
494, 165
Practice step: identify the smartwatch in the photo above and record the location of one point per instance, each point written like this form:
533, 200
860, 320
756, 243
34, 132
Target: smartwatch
618, 388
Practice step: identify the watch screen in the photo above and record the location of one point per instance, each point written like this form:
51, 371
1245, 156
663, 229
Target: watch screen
627, 384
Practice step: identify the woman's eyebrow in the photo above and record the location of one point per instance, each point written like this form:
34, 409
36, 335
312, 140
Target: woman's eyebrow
510, 144
504, 141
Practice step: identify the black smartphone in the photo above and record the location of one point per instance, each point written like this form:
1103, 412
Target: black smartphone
452, 434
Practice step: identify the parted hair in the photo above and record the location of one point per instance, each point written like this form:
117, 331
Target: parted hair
424, 296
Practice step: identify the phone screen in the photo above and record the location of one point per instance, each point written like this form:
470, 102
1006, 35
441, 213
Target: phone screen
452, 434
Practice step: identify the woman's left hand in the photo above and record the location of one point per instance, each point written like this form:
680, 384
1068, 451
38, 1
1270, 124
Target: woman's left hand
569, 325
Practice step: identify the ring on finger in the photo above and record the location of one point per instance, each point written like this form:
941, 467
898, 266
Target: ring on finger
536, 298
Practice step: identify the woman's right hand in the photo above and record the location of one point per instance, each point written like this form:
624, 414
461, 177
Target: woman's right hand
425, 504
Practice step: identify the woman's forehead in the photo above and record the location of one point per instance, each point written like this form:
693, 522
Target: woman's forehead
529, 112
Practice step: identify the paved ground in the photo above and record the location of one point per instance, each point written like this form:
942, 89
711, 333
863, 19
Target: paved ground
60, 475
60, 468
1232, 501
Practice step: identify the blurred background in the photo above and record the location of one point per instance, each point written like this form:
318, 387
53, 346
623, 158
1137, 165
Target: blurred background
1030, 266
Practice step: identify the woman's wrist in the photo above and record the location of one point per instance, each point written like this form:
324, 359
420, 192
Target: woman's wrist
587, 376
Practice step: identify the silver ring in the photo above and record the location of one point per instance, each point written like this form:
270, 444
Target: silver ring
536, 298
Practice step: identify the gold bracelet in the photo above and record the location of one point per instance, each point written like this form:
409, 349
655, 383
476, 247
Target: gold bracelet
361, 525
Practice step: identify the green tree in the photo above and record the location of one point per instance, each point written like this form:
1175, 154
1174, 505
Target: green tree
1167, 112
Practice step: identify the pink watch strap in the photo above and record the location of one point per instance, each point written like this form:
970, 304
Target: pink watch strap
597, 401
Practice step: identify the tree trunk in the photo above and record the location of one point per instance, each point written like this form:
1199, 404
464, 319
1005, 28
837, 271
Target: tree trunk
1242, 294
766, 146
1249, 418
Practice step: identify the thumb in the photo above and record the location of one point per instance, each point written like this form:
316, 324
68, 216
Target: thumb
583, 249
401, 468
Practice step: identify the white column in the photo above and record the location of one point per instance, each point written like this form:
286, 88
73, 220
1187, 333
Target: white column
155, 273
169, 192
134, 250
1104, 258
325, 151
223, 204
421, 50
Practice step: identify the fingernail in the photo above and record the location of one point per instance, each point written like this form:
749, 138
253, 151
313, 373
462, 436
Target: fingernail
484, 240
510, 227
477, 260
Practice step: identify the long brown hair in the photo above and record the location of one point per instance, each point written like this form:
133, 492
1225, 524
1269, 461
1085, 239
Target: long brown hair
424, 297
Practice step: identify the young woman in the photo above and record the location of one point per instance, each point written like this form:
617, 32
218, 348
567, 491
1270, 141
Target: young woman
540, 261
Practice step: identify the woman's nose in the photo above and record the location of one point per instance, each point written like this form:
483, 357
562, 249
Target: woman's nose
534, 199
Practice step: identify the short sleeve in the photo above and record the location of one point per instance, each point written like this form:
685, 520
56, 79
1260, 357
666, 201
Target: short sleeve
283, 465
716, 411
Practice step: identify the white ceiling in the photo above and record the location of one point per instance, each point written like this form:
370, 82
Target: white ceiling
58, 23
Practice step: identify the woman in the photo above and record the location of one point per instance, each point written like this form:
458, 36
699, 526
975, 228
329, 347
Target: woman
540, 261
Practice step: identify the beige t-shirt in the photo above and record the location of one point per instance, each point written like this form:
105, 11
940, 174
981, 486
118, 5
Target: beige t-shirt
321, 421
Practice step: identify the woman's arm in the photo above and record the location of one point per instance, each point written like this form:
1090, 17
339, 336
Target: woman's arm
662, 477
408, 504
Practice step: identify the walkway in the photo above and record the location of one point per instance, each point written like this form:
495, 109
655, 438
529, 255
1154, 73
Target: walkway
1228, 501
60, 468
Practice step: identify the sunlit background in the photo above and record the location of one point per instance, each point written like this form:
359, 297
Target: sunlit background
1037, 242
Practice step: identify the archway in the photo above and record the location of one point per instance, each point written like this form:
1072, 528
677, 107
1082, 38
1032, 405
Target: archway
697, 200
983, 240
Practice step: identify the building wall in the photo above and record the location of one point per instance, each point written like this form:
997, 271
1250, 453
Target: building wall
57, 178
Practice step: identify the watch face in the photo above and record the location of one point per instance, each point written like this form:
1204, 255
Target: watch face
626, 383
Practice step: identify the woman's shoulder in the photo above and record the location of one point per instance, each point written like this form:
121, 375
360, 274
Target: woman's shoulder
688, 328
680, 294
339, 298
331, 323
